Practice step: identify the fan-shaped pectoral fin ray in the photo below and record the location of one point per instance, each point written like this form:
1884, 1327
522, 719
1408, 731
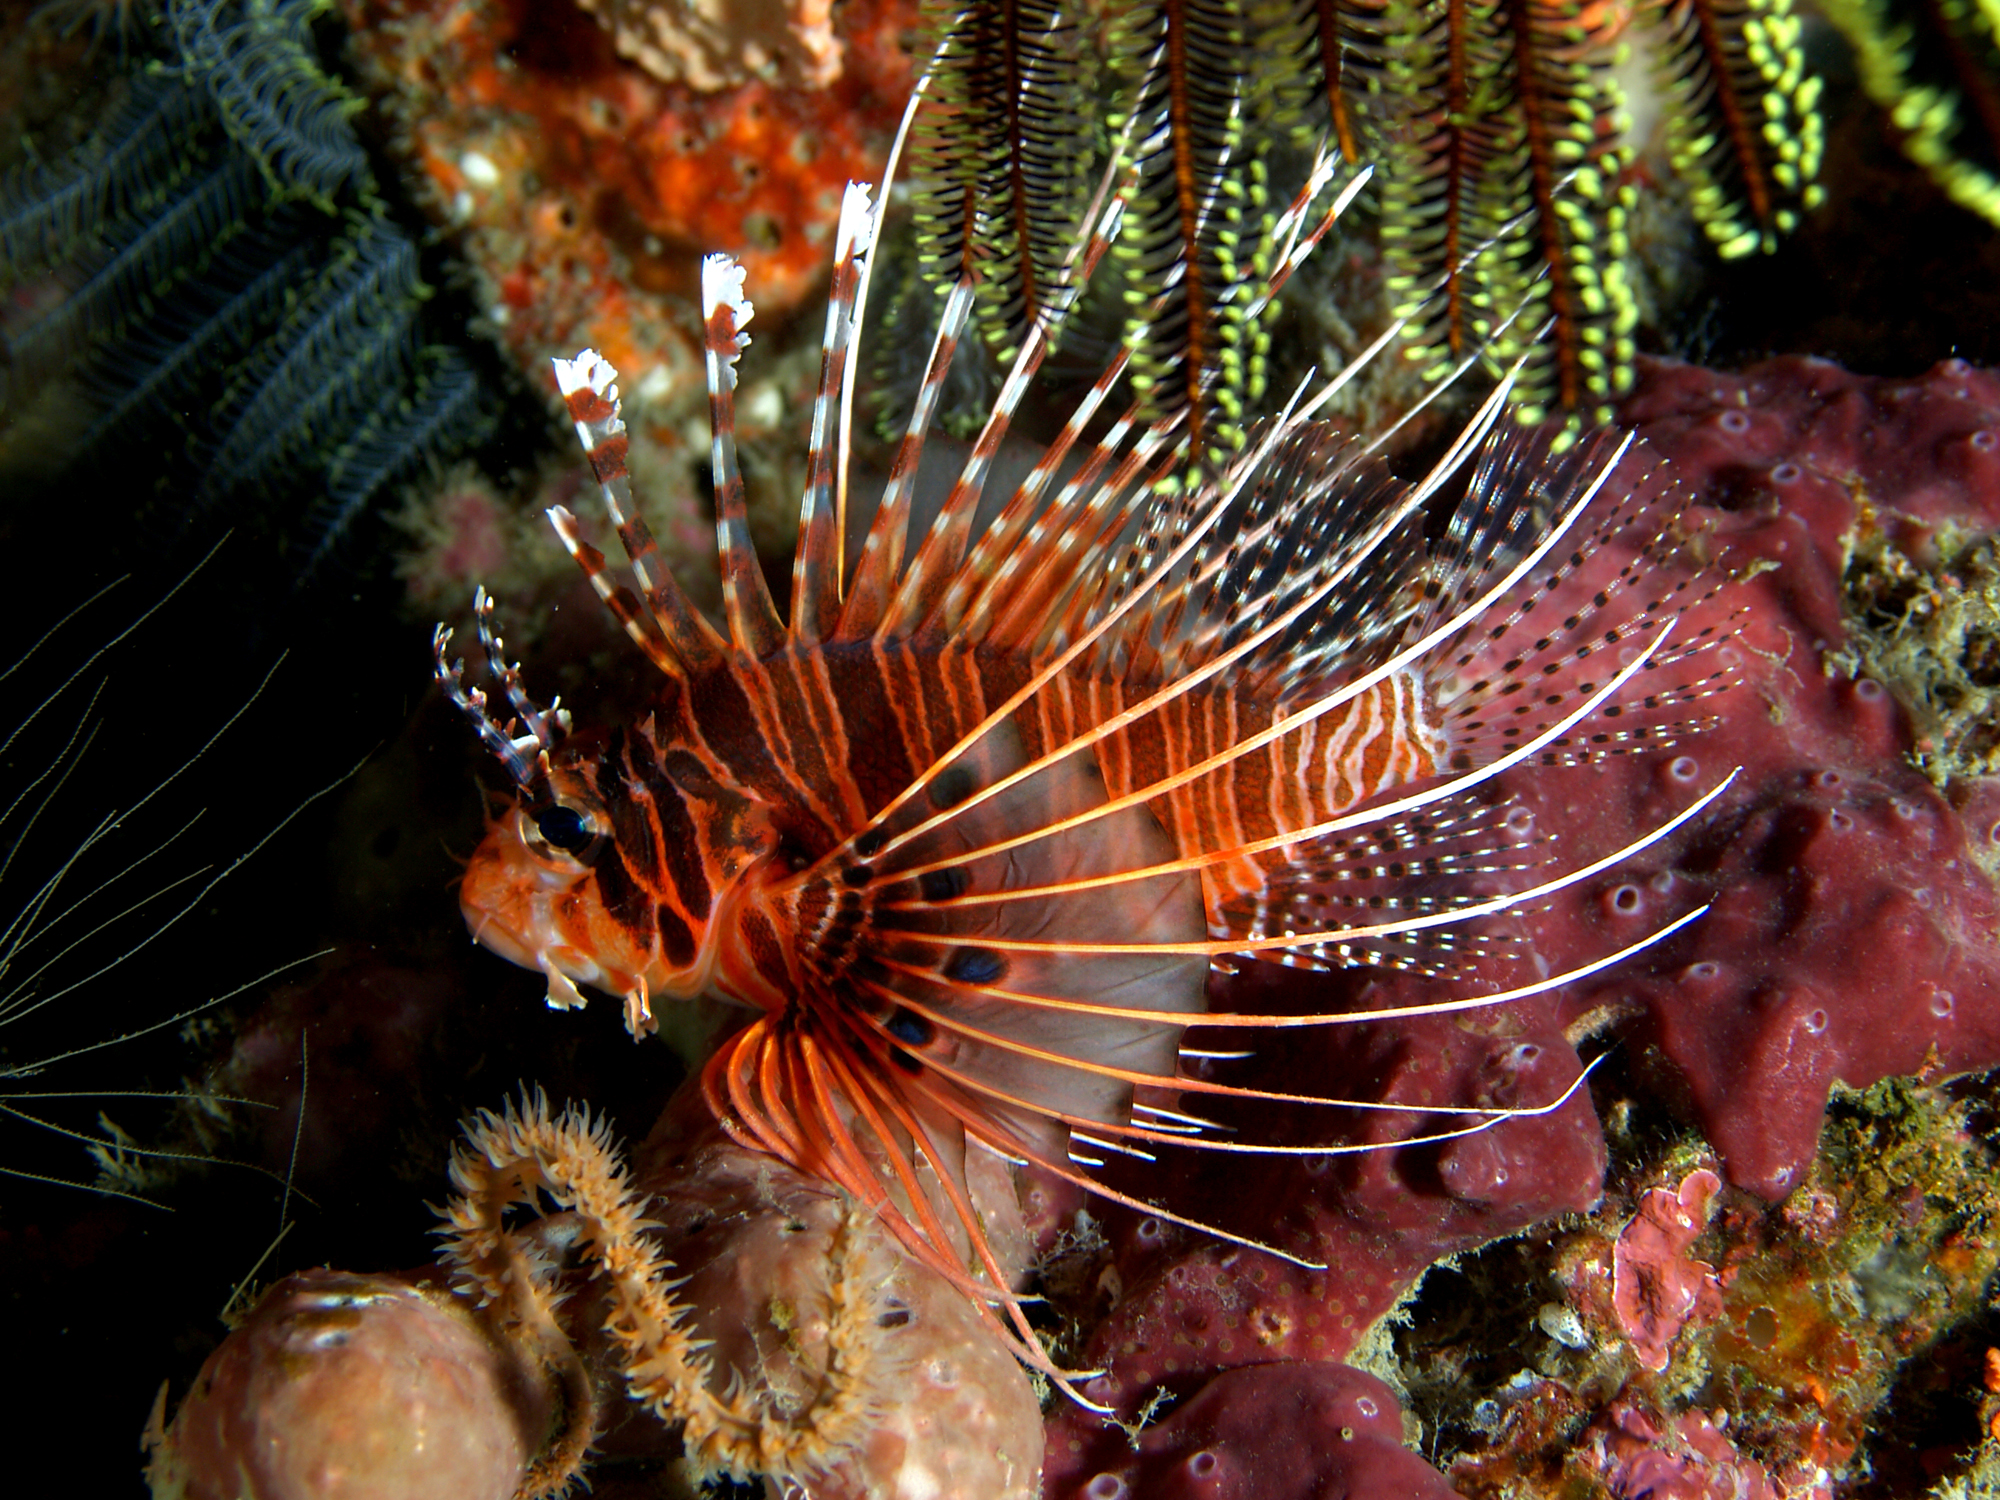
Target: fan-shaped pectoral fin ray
977, 1128
1426, 642
1252, 945
1043, 1057
1044, 673
878, 1103
1485, 1118
919, 862
963, 941
1040, 1046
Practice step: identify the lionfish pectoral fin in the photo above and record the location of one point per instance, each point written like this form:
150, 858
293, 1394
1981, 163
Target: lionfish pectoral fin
1564, 628
933, 959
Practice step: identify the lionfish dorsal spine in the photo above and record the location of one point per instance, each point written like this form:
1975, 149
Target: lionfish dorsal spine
665, 624
937, 580
1294, 242
1018, 536
754, 626
881, 561
816, 562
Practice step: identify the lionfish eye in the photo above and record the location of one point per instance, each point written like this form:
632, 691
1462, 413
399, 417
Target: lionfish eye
566, 829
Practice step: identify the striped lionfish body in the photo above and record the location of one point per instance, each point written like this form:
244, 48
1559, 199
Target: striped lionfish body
970, 830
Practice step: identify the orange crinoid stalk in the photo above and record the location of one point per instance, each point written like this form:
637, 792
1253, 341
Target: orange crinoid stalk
969, 830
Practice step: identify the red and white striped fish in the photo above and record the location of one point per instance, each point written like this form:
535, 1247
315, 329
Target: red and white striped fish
968, 831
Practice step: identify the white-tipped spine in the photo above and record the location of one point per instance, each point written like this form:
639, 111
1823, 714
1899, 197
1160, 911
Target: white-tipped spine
722, 291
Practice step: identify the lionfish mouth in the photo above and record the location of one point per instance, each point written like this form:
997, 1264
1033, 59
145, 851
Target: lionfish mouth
1168, 712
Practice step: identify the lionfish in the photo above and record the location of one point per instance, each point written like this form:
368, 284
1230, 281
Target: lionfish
969, 830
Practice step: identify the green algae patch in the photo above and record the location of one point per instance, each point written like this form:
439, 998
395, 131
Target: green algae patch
1923, 619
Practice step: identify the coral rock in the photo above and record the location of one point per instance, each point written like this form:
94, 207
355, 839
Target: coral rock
713, 44
583, 192
1692, 1459
369, 1387
1850, 935
765, 1253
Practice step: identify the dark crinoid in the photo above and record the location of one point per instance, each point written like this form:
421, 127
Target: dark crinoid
211, 290
1497, 131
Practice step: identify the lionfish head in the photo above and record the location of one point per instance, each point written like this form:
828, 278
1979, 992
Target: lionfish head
595, 875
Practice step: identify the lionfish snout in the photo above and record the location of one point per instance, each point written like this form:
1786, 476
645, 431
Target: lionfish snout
532, 911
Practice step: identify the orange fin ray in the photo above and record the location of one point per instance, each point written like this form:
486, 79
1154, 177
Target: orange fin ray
1085, 517
1008, 546
1036, 830
625, 606
1484, 1118
881, 562
1439, 630
986, 1082
924, 587
1252, 1021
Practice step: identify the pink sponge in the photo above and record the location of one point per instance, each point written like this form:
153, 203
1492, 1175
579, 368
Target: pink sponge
1656, 1286
1851, 934
1289, 1431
